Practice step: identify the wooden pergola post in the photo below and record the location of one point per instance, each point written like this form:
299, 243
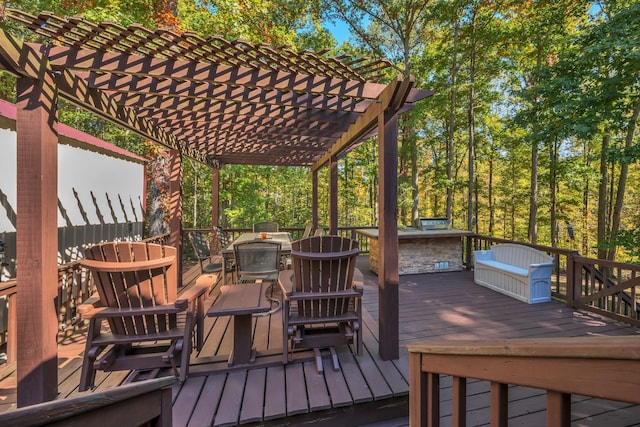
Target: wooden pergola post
175, 206
215, 197
215, 205
37, 240
314, 198
388, 277
333, 195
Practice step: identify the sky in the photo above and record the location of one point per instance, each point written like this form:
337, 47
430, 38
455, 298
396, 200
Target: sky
339, 29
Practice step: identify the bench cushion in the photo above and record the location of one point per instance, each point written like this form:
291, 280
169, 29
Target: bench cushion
505, 267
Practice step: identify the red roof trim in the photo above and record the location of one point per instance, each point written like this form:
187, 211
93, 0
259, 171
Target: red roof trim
9, 111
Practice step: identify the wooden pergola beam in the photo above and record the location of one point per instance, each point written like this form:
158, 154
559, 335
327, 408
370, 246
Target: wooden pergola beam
144, 66
363, 125
148, 92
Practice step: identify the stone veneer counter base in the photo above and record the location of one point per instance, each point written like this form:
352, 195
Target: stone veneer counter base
422, 251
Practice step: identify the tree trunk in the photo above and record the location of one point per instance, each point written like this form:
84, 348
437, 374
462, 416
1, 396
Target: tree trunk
452, 124
553, 167
533, 195
472, 131
602, 195
585, 202
492, 208
622, 180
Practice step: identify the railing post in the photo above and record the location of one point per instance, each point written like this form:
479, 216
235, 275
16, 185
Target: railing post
468, 254
499, 404
418, 393
459, 412
558, 409
571, 279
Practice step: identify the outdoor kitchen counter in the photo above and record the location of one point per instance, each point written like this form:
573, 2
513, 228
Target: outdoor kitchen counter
422, 251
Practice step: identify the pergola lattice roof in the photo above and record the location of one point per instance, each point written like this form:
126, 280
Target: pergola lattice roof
214, 100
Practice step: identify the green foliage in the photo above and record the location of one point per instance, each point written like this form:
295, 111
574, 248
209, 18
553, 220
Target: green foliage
546, 74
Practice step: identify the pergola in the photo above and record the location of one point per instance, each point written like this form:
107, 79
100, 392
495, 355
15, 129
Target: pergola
212, 100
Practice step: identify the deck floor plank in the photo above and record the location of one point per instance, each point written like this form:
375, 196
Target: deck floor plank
231, 400
183, 403
358, 386
317, 388
275, 404
336, 384
375, 379
253, 400
205, 407
296, 389
394, 379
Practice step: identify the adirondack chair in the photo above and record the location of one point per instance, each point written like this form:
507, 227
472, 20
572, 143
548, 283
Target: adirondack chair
150, 325
268, 226
322, 304
308, 231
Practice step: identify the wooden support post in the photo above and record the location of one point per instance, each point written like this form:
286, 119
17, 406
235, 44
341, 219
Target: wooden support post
499, 404
459, 413
215, 197
314, 198
388, 277
175, 207
573, 280
558, 409
333, 196
215, 205
418, 392
37, 240
433, 399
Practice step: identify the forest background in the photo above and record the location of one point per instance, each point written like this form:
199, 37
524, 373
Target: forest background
531, 134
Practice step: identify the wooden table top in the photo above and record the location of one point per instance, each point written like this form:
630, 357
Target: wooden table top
241, 299
281, 236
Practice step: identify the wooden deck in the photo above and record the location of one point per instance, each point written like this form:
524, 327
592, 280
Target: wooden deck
367, 390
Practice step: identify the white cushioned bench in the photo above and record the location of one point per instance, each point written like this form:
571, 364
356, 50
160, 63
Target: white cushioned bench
519, 271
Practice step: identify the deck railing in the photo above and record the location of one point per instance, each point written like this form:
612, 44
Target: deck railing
557, 365
144, 403
610, 289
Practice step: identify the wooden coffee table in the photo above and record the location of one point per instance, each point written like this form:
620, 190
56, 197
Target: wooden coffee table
241, 301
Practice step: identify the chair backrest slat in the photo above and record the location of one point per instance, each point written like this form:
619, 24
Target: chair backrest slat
323, 264
144, 287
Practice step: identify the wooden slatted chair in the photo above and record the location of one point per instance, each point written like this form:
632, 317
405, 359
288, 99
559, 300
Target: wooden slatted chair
322, 304
308, 231
150, 325
268, 226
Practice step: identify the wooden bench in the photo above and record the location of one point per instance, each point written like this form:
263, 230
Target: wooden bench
515, 270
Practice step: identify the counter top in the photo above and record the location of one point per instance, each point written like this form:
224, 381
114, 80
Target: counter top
412, 233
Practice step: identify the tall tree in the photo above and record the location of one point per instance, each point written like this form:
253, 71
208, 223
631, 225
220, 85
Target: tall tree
390, 29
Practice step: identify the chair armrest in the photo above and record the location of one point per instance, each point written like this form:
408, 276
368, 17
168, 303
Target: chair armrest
203, 284
358, 280
89, 311
89, 306
541, 265
285, 281
348, 293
